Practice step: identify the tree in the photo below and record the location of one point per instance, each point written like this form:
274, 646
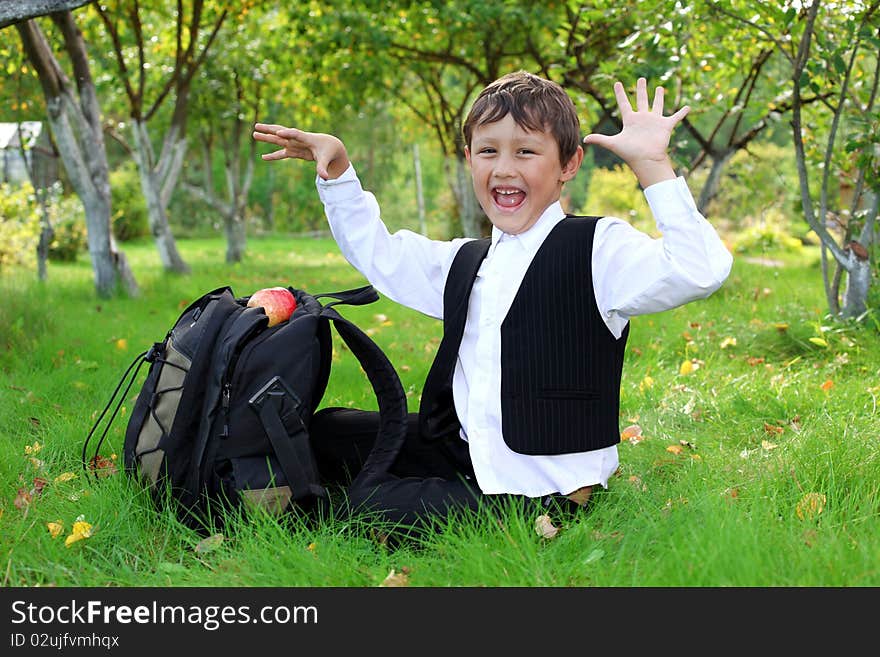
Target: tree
134, 41
741, 80
430, 57
228, 103
835, 57
75, 121
40, 160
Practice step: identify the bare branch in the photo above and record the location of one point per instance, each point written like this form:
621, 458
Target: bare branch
13, 13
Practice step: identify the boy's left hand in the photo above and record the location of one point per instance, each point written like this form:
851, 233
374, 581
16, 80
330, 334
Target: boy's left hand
643, 141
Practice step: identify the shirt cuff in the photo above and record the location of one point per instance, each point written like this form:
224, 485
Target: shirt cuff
670, 197
343, 188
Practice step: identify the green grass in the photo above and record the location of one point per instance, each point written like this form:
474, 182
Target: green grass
753, 428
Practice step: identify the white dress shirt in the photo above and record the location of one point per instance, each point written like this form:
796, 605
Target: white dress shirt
633, 274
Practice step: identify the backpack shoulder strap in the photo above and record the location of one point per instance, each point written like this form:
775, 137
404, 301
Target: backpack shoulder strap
386, 386
357, 297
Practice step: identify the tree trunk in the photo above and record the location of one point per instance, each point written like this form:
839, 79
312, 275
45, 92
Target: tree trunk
46, 235
233, 210
462, 188
236, 236
152, 187
420, 198
76, 127
858, 282
713, 180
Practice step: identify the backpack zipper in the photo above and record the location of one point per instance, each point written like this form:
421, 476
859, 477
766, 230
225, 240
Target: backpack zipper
226, 391
225, 395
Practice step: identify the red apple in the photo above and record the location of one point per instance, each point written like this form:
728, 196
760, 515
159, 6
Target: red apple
277, 302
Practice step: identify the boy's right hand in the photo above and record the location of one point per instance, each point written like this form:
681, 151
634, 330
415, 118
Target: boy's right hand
327, 151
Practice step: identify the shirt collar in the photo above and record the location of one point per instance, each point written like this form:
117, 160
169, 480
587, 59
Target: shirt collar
532, 239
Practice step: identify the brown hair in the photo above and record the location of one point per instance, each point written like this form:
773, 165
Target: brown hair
534, 103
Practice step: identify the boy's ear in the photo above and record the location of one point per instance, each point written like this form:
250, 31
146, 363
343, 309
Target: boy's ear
467, 154
571, 167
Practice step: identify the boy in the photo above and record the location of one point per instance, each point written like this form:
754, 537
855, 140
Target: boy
522, 399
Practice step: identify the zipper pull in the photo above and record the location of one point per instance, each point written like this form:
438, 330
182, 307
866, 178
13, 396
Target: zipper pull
225, 395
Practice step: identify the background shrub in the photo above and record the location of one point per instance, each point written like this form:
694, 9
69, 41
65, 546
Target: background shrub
19, 225
69, 222
130, 219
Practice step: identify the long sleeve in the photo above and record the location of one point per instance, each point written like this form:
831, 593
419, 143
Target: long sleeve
635, 274
407, 267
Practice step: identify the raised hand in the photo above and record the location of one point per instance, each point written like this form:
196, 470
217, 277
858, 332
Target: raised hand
643, 141
328, 152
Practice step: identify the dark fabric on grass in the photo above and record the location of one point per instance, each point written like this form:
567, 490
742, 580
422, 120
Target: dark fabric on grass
428, 481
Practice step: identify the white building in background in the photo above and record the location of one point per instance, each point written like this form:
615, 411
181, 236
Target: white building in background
37, 155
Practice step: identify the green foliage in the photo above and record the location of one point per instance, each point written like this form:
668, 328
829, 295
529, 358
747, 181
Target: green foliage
69, 225
758, 200
770, 234
130, 218
19, 225
615, 192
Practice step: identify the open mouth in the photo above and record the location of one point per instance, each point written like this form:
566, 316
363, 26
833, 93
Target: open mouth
508, 197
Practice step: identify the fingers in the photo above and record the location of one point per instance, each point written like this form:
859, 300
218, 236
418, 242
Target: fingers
657, 107
597, 139
641, 95
622, 99
271, 128
292, 142
274, 155
269, 133
680, 114
269, 138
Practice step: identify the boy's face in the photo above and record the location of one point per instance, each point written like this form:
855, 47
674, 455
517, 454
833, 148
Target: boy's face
516, 173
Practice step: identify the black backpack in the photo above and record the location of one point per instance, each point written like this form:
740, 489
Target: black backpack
223, 416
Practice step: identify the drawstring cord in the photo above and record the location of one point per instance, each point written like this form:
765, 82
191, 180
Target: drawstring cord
139, 360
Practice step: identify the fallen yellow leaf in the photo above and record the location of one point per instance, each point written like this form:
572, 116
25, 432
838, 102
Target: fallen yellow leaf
728, 342
81, 530
819, 341
55, 528
646, 383
675, 449
122, 344
686, 367
827, 385
65, 476
810, 506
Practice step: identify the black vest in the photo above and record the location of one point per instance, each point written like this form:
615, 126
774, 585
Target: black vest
560, 366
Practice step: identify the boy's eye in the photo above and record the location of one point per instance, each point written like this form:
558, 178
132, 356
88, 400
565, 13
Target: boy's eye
526, 151
487, 150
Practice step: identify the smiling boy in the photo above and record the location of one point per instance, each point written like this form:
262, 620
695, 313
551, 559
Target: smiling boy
522, 399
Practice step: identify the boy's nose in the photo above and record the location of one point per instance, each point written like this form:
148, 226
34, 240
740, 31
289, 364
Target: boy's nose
504, 166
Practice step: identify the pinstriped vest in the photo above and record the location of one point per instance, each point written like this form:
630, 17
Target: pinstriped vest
560, 366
